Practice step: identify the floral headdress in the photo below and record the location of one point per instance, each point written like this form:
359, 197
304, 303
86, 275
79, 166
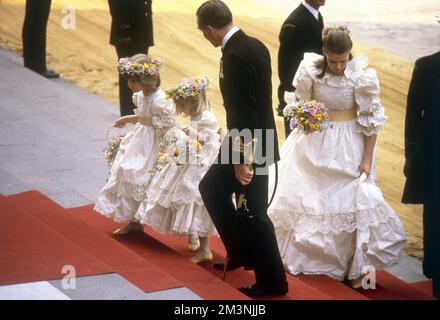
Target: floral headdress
189, 88
128, 67
341, 27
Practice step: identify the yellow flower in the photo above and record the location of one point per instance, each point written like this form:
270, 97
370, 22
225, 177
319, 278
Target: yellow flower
196, 145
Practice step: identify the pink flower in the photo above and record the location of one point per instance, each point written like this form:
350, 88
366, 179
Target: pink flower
151, 71
156, 61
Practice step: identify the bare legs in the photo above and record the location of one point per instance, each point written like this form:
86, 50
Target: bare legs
204, 253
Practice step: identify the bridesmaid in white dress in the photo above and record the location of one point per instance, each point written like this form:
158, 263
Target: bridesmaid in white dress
329, 215
136, 155
173, 204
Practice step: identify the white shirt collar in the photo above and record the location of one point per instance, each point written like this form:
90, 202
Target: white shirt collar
229, 35
312, 10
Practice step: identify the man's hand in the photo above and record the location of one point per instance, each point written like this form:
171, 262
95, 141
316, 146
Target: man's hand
243, 174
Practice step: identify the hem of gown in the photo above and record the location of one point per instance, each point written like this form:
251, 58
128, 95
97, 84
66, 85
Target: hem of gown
111, 215
173, 230
345, 276
386, 216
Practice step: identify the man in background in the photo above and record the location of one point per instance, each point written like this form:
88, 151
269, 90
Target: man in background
300, 33
131, 33
34, 37
422, 158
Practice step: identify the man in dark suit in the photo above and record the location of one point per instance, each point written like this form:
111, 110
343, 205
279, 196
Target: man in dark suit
300, 33
422, 154
34, 37
245, 83
131, 33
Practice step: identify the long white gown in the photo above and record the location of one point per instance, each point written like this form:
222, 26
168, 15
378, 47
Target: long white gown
174, 204
129, 174
328, 218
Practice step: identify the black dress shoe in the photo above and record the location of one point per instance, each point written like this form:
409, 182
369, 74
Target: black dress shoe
257, 291
50, 74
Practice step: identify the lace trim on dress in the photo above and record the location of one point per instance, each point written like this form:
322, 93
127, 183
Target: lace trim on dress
307, 222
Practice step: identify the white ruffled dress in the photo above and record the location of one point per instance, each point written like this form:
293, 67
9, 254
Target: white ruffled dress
129, 174
174, 204
329, 219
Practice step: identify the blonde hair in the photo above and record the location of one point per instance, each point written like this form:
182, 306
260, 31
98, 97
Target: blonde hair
192, 106
150, 81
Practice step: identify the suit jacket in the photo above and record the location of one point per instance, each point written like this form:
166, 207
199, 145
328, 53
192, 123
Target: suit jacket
422, 134
132, 22
300, 33
246, 87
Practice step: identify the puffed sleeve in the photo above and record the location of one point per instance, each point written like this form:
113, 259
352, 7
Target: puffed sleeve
137, 98
303, 80
207, 126
164, 115
371, 118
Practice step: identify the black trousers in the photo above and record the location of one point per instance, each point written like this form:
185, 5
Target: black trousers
249, 241
287, 129
34, 34
126, 105
431, 243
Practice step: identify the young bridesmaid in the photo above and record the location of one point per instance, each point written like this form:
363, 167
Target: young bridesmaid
154, 115
174, 204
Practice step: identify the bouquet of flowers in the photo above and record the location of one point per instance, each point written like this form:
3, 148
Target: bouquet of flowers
177, 147
112, 149
307, 117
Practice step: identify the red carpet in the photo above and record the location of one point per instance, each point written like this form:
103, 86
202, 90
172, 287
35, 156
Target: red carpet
38, 237
32, 251
141, 273
192, 276
423, 286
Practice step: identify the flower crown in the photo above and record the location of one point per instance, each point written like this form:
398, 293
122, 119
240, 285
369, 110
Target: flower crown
190, 88
341, 27
132, 68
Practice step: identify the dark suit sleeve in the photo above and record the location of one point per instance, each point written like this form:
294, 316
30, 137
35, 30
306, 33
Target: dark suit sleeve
289, 58
121, 22
131, 22
239, 76
414, 112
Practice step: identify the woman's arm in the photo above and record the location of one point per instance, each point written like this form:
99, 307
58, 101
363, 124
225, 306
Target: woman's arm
370, 142
122, 121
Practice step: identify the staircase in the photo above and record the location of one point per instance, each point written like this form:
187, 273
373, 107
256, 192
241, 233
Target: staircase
38, 237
